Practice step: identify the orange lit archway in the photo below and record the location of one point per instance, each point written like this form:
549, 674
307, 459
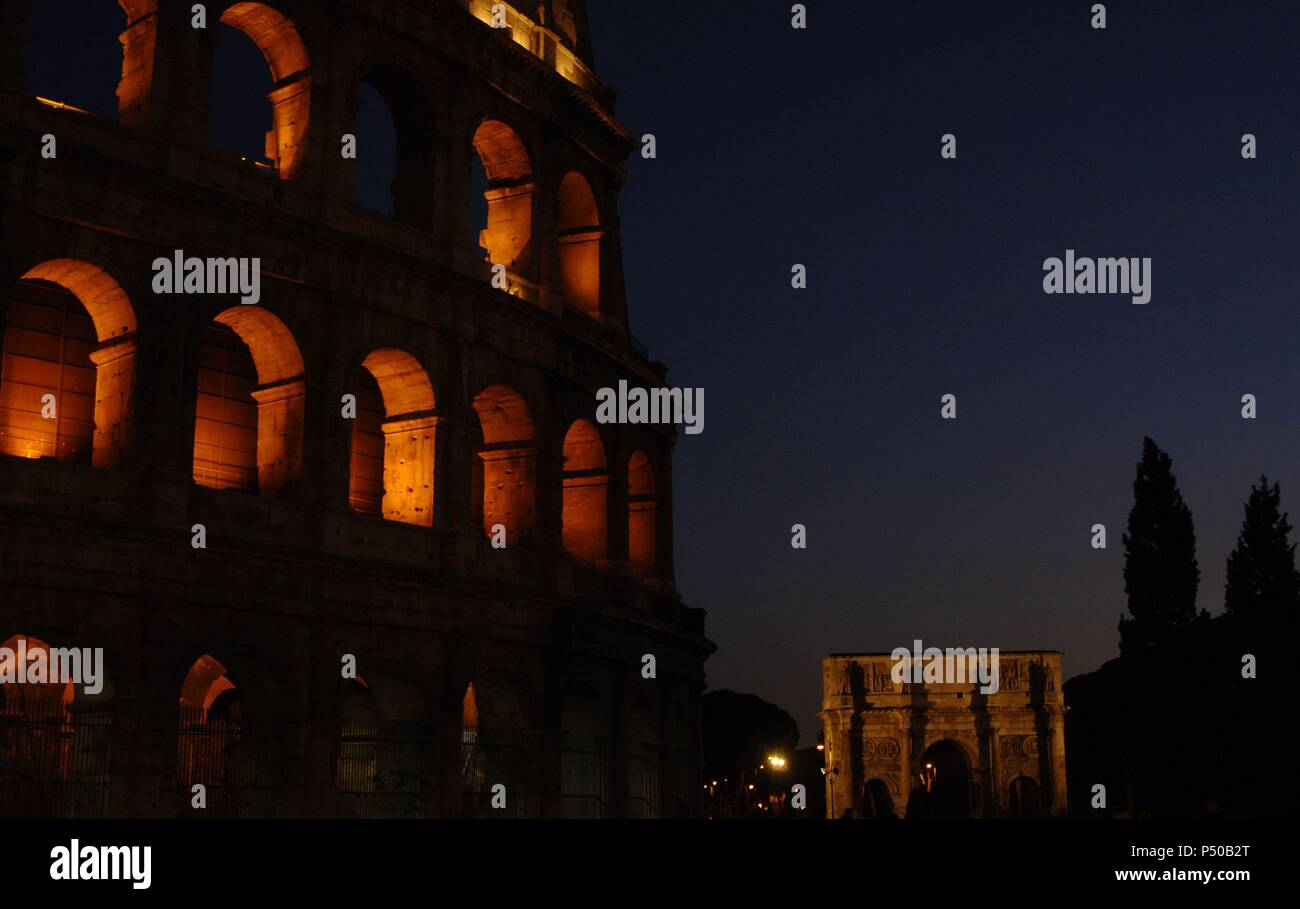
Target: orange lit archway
580, 240
398, 434
586, 484
54, 738
286, 56
505, 470
214, 748
248, 430
68, 365
642, 515
510, 186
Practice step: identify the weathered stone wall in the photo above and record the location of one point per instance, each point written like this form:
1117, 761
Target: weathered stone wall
100, 555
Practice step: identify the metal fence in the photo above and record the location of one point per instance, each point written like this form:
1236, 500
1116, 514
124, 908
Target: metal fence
239, 771
54, 759
382, 769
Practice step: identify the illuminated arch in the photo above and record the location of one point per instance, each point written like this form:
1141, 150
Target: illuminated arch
400, 436
286, 56
506, 467
54, 739
508, 234
249, 419
496, 719
215, 748
586, 484
642, 516
70, 333
580, 239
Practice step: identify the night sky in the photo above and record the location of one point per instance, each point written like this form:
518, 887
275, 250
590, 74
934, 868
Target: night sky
821, 147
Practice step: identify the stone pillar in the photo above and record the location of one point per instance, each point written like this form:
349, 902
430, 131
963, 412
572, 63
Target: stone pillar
409, 459
114, 374
279, 435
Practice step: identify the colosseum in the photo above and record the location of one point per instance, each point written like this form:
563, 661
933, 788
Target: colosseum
361, 548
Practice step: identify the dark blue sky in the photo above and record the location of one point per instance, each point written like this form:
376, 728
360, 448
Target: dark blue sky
822, 147
925, 278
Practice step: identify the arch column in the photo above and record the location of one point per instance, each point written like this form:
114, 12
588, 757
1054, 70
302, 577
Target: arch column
279, 435
410, 446
114, 409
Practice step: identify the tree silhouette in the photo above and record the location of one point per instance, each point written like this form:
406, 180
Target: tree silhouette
1263, 585
1160, 571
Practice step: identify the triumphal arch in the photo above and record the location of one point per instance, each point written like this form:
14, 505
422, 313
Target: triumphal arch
897, 747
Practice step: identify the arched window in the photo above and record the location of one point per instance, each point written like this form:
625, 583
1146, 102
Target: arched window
382, 749
54, 737
232, 122
506, 467
216, 749
249, 417
642, 516
586, 482
584, 759
1023, 799
580, 239
493, 737
393, 439
507, 236
394, 132
68, 365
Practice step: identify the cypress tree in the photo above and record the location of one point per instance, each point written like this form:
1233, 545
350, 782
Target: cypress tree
1263, 586
1161, 575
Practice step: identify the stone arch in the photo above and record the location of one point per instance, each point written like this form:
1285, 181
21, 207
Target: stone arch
415, 165
233, 754
55, 738
249, 419
642, 516
586, 487
951, 791
382, 753
580, 240
497, 739
878, 800
277, 38
510, 188
403, 437
505, 471
69, 332
1024, 797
